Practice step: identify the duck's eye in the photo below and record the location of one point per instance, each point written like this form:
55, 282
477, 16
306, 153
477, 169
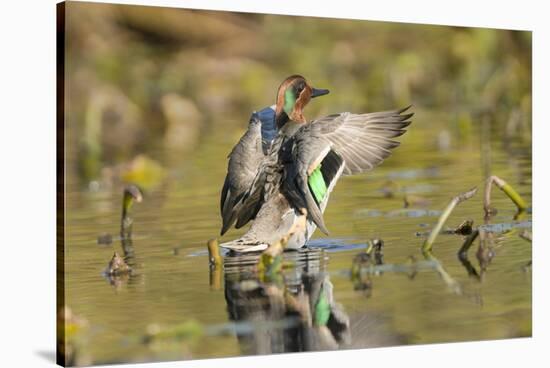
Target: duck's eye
299, 87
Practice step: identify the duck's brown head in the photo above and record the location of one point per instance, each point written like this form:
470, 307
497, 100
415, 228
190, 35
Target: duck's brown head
293, 95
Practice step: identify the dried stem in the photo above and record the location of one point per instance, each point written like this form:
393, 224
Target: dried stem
468, 243
427, 246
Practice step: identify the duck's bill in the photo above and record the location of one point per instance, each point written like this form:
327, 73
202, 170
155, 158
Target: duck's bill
315, 92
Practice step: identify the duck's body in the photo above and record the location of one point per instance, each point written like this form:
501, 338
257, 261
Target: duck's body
244, 163
283, 164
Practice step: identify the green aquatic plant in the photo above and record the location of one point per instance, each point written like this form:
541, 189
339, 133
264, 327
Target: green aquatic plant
214, 253
508, 190
130, 195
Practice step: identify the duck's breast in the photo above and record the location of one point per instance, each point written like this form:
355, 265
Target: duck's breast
269, 129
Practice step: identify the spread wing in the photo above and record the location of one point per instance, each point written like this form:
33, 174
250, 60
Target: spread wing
243, 166
353, 143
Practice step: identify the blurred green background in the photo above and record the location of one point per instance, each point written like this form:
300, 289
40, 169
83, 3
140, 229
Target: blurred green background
157, 80
159, 96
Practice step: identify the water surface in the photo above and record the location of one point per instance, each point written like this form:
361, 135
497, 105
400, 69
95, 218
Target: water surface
172, 283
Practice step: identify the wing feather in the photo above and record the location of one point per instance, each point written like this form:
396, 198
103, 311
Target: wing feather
360, 141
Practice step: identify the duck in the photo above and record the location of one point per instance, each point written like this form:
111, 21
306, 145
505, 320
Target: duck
284, 165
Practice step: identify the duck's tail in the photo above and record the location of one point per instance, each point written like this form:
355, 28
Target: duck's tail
245, 244
268, 230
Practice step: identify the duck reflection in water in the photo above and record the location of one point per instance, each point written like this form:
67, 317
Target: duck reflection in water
289, 312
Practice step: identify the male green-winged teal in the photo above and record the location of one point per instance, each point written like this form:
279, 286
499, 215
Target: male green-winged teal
284, 163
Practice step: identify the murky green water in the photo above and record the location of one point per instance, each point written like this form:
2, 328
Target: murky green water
172, 284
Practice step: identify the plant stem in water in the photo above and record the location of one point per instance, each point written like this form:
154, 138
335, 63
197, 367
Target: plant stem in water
427, 246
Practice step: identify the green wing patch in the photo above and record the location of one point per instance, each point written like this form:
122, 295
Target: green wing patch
322, 309
317, 184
